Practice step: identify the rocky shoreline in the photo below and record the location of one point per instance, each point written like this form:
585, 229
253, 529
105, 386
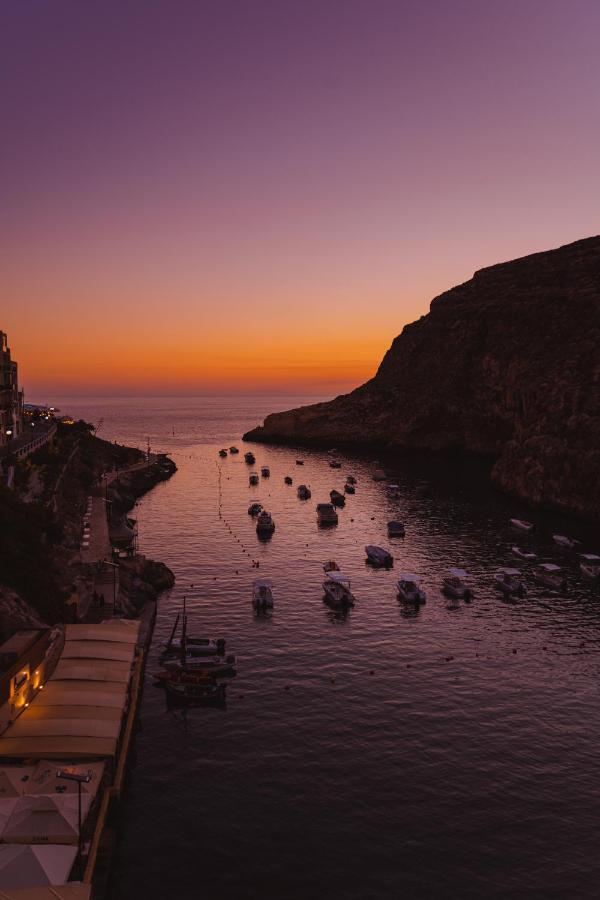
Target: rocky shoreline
506, 365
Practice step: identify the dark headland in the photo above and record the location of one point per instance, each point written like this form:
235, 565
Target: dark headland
506, 365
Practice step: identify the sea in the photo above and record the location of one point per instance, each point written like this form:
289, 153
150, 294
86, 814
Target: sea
448, 752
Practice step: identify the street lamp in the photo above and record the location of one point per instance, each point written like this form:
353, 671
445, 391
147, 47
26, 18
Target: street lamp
71, 774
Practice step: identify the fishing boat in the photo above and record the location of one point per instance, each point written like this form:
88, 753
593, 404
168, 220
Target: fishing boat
216, 665
565, 542
337, 590
222, 452
524, 554
264, 523
349, 488
250, 458
265, 471
454, 585
288, 479
378, 475
550, 575
303, 492
337, 499
233, 450
379, 557
395, 529
409, 588
196, 646
330, 566
253, 478
509, 582
590, 565
335, 464
326, 514
254, 509
262, 594
521, 524
350, 479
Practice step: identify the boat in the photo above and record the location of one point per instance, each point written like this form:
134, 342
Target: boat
217, 665
326, 514
550, 575
337, 590
264, 523
454, 585
521, 524
378, 556
233, 450
524, 554
250, 458
288, 479
208, 693
337, 499
378, 475
299, 462
196, 646
222, 452
350, 479
253, 478
395, 529
330, 566
566, 542
349, 488
265, 471
254, 509
335, 464
303, 492
509, 582
409, 588
262, 594
590, 565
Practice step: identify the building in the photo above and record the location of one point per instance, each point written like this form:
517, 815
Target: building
11, 398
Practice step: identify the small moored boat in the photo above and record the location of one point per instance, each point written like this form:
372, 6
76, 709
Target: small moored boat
590, 565
299, 462
509, 582
326, 514
524, 554
264, 523
222, 452
378, 556
454, 584
303, 492
250, 458
395, 529
233, 450
350, 479
521, 524
562, 540
202, 692
550, 575
262, 594
253, 478
335, 464
378, 475
196, 646
337, 499
337, 590
409, 588
288, 479
265, 471
349, 488
330, 566
254, 509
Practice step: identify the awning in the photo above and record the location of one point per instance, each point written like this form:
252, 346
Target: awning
92, 670
109, 650
23, 865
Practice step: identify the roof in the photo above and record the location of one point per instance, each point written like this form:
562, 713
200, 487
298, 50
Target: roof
28, 866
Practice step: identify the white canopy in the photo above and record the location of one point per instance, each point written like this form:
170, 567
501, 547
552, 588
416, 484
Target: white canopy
23, 865
44, 779
46, 820
14, 779
459, 573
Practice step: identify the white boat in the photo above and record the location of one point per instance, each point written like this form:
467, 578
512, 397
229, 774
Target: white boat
350, 479
563, 541
378, 475
196, 646
326, 514
524, 554
254, 509
409, 588
265, 471
454, 584
330, 566
337, 590
509, 582
349, 488
264, 523
303, 492
521, 524
337, 499
262, 594
253, 478
590, 565
550, 575
378, 556
395, 529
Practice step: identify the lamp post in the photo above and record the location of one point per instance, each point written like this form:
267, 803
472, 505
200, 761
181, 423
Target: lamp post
70, 774
115, 566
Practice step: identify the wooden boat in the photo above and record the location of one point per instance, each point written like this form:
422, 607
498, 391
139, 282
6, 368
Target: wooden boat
409, 588
326, 514
264, 523
379, 557
207, 664
522, 524
337, 590
303, 492
337, 499
524, 554
250, 458
288, 479
454, 585
509, 582
395, 529
262, 594
550, 575
589, 565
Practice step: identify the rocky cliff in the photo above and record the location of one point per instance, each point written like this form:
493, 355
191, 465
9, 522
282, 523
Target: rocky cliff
507, 364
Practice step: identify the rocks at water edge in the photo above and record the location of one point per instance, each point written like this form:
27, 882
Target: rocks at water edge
506, 364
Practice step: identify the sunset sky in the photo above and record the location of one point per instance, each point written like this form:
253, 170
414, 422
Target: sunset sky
212, 196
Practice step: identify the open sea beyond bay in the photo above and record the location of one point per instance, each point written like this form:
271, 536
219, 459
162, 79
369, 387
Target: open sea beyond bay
447, 753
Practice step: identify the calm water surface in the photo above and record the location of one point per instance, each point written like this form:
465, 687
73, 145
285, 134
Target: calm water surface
452, 753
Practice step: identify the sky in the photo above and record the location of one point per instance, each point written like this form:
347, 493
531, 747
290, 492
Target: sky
258, 195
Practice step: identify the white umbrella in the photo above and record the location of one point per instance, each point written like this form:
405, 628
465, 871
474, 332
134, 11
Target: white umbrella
23, 865
42, 819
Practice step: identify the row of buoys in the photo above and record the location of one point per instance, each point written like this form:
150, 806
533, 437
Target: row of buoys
255, 562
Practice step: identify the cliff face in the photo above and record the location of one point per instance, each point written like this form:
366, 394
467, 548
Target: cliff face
507, 364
